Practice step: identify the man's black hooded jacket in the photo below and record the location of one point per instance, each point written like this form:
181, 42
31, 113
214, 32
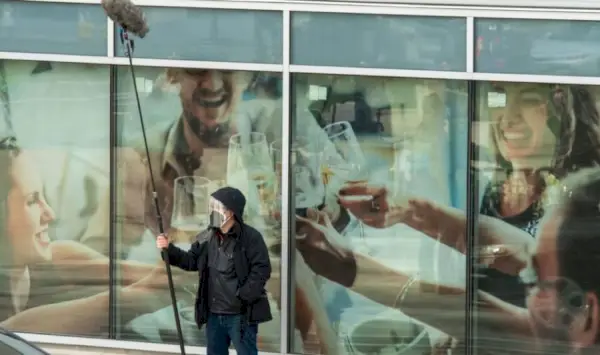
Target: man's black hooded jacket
250, 257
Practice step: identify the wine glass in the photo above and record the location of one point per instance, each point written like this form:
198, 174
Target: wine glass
309, 189
344, 162
249, 169
190, 206
345, 159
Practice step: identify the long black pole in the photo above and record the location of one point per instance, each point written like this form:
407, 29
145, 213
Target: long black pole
165, 256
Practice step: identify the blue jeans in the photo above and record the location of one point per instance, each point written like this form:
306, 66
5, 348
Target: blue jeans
224, 329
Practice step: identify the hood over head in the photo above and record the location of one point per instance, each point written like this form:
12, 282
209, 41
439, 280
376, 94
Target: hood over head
233, 199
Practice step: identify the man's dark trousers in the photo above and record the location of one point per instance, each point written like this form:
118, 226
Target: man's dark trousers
224, 329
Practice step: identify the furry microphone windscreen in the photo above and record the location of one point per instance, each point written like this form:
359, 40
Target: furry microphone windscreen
127, 15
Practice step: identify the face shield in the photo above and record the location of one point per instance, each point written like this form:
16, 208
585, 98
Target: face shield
217, 213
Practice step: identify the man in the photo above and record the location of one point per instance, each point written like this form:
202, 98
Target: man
195, 143
233, 265
563, 302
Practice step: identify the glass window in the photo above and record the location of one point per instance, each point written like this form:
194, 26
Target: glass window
205, 129
544, 47
55, 159
379, 170
11, 344
39, 27
539, 211
211, 35
391, 42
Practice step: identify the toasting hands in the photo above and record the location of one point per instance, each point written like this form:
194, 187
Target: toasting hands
372, 205
377, 208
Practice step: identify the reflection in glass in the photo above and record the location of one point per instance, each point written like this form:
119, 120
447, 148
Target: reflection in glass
249, 168
537, 47
362, 40
190, 210
530, 138
399, 255
349, 164
305, 163
346, 164
54, 193
219, 35
76, 29
193, 114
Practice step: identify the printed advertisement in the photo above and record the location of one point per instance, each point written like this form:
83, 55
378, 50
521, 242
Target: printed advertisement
55, 159
205, 129
379, 188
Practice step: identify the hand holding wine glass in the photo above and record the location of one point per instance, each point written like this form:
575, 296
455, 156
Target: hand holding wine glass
308, 188
343, 162
381, 209
324, 249
343, 159
372, 205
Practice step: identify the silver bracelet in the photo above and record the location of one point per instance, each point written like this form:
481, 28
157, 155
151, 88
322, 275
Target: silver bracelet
402, 294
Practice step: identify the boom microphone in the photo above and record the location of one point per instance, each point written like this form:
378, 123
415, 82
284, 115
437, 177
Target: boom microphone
127, 15
131, 19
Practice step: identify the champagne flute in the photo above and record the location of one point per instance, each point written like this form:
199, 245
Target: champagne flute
344, 162
302, 153
305, 165
249, 169
190, 206
309, 190
345, 159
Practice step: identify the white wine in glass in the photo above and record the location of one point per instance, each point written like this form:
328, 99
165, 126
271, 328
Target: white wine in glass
190, 207
343, 159
250, 169
345, 162
266, 187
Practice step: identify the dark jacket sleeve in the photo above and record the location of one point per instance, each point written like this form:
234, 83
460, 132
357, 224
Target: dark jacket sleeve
259, 269
187, 260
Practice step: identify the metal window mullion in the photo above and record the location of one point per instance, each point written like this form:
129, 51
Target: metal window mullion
112, 247
287, 221
470, 55
472, 213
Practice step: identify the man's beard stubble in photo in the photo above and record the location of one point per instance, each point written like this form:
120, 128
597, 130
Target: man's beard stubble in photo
211, 136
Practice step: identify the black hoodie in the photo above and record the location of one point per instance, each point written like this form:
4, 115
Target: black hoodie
222, 278
233, 199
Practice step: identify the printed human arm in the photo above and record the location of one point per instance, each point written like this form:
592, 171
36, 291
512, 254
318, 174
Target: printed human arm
443, 223
364, 275
131, 208
508, 244
86, 316
78, 264
437, 304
